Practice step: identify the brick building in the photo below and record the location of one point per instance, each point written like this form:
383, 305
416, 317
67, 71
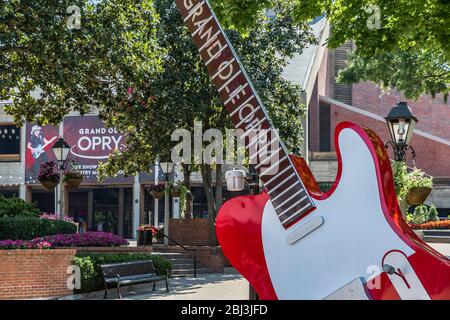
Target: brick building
329, 103
126, 203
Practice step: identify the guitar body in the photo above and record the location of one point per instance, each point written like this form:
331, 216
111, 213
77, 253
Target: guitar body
355, 229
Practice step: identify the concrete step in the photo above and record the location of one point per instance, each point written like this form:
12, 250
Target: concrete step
189, 272
436, 239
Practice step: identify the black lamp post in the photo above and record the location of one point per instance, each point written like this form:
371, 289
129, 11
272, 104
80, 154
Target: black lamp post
61, 149
401, 123
168, 170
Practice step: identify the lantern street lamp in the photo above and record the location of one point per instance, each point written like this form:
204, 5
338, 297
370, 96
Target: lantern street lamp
236, 180
61, 149
401, 123
168, 169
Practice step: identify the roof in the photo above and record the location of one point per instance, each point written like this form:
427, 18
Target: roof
299, 67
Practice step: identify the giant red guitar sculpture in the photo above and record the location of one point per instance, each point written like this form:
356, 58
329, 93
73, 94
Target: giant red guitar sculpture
295, 242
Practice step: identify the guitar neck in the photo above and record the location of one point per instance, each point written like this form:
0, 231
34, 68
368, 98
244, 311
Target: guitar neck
248, 114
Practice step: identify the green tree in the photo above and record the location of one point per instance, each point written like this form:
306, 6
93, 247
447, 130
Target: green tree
400, 43
184, 93
72, 67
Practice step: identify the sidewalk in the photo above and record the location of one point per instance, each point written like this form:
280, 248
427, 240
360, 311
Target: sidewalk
224, 286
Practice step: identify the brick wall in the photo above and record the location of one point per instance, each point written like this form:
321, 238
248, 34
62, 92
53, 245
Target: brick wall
194, 232
432, 157
208, 256
34, 273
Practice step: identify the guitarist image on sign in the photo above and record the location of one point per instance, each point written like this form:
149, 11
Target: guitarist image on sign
37, 145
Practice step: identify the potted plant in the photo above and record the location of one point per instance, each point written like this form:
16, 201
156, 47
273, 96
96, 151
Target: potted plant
178, 189
72, 178
145, 235
49, 175
157, 191
419, 187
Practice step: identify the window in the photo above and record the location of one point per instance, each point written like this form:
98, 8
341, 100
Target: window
9, 143
324, 127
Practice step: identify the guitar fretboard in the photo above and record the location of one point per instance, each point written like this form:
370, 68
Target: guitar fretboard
284, 186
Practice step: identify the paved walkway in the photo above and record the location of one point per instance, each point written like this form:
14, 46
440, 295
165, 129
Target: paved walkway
443, 248
227, 286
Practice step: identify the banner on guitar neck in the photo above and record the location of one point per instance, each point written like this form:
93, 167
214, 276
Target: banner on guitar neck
234, 88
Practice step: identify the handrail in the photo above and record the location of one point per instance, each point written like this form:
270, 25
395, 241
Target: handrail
183, 247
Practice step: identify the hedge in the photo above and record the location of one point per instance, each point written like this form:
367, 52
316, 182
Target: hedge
11, 207
29, 228
91, 274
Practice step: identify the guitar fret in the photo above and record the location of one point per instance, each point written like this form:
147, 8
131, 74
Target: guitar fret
266, 150
229, 81
253, 128
216, 55
194, 10
223, 68
273, 166
235, 93
276, 176
293, 206
243, 104
297, 214
201, 27
282, 183
270, 157
209, 41
284, 192
286, 201
267, 145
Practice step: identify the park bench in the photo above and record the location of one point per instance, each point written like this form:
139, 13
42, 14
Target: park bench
129, 273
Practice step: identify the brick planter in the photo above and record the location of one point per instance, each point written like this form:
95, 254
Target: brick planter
146, 249
191, 232
28, 274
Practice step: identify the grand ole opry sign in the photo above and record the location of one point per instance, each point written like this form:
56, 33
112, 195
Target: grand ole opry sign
294, 241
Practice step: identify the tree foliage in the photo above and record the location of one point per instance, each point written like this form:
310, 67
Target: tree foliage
414, 35
49, 69
183, 92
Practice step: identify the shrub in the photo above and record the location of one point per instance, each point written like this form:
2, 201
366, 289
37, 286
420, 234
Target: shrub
28, 228
87, 239
423, 214
433, 214
91, 274
10, 207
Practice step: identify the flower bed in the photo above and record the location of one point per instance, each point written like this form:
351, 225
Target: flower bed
88, 239
22, 244
432, 225
54, 216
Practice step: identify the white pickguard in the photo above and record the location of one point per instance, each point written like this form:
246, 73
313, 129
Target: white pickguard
354, 235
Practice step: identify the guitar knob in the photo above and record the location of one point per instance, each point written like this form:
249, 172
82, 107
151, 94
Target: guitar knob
388, 269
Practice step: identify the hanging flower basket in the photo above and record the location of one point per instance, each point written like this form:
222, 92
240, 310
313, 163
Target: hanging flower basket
417, 195
73, 183
48, 175
49, 184
157, 191
157, 194
72, 178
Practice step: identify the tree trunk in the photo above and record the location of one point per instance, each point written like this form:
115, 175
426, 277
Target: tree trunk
187, 170
219, 187
207, 184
